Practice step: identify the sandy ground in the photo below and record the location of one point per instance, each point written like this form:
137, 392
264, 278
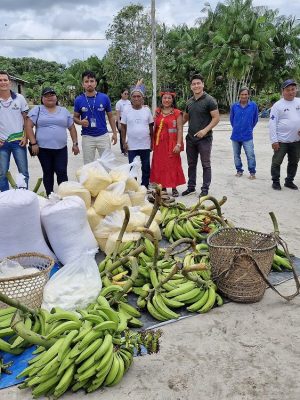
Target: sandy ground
237, 352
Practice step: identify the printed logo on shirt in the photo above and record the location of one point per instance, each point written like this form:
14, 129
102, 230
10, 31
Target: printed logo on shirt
15, 107
298, 108
286, 109
101, 108
272, 117
84, 109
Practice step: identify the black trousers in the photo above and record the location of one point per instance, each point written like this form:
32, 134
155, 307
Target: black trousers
53, 161
293, 153
194, 147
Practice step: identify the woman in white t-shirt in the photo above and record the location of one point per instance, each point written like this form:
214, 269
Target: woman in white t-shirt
120, 107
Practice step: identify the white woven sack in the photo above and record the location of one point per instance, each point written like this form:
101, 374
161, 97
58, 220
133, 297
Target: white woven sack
69, 233
71, 188
20, 224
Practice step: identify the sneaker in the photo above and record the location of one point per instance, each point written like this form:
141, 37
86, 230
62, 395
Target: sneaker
239, 174
188, 191
276, 186
252, 176
203, 193
291, 185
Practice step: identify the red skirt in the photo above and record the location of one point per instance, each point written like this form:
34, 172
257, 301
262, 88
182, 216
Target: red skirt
166, 168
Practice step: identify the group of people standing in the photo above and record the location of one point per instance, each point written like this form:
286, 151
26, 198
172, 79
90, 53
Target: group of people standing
46, 126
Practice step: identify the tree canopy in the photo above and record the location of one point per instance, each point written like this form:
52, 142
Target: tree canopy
233, 44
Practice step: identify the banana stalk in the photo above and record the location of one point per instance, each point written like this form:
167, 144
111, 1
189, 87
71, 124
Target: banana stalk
11, 180
18, 326
155, 242
157, 204
129, 283
37, 185
171, 249
122, 231
16, 304
199, 281
123, 260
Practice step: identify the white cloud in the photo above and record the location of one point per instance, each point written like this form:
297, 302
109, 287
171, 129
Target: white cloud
71, 19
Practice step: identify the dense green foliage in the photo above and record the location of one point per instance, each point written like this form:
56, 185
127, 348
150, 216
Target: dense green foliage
232, 45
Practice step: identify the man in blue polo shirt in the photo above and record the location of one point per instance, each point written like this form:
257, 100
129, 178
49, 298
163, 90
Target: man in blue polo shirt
243, 118
90, 109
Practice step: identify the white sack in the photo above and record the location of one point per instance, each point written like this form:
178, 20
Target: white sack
74, 286
20, 224
69, 233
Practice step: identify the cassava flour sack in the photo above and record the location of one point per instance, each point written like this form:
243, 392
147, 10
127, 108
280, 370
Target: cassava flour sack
20, 224
69, 233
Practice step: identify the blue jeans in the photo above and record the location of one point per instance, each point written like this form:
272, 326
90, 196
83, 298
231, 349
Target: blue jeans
145, 159
249, 151
20, 156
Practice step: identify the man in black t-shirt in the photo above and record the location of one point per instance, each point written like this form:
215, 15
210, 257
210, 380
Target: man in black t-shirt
203, 115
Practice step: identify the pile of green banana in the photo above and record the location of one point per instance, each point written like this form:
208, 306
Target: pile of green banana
281, 261
195, 222
84, 350
160, 284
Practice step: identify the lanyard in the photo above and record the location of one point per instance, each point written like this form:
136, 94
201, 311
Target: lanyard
89, 106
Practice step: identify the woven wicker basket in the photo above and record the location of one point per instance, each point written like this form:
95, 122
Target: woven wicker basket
28, 289
239, 257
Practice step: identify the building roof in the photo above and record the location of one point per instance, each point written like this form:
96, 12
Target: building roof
14, 78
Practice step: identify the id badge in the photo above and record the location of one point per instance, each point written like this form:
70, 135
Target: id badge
93, 123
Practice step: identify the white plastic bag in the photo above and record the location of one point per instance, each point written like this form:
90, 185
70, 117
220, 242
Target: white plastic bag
74, 286
94, 177
20, 224
112, 239
112, 199
69, 233
71, 188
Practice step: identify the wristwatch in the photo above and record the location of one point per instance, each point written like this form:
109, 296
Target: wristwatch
75, 144
178, 144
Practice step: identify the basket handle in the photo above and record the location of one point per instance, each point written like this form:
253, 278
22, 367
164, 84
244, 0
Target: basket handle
288, 298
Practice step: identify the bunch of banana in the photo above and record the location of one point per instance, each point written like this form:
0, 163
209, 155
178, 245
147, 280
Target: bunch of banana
88, 352
170, 213
4, 367
281, 261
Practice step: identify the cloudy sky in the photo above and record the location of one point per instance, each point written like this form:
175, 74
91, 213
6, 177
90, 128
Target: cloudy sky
72, 19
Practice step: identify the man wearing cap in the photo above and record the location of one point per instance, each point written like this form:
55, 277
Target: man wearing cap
284, 129
90, 109
137, 128
13, 110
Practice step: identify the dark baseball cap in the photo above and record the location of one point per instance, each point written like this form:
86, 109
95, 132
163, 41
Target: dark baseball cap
48, 90
288, 82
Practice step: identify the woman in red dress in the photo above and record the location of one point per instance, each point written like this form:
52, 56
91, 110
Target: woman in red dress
166, 168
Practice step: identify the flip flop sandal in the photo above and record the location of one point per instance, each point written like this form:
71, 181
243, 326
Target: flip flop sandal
175, 193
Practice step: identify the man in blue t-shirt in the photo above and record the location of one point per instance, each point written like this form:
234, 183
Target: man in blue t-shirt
243, 118
90, 108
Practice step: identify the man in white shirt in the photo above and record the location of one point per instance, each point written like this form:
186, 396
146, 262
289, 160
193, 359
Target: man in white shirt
120, 107
284, 129
13, 110
137, 126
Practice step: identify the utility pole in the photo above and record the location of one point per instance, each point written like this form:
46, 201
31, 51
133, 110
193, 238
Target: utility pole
153, 43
